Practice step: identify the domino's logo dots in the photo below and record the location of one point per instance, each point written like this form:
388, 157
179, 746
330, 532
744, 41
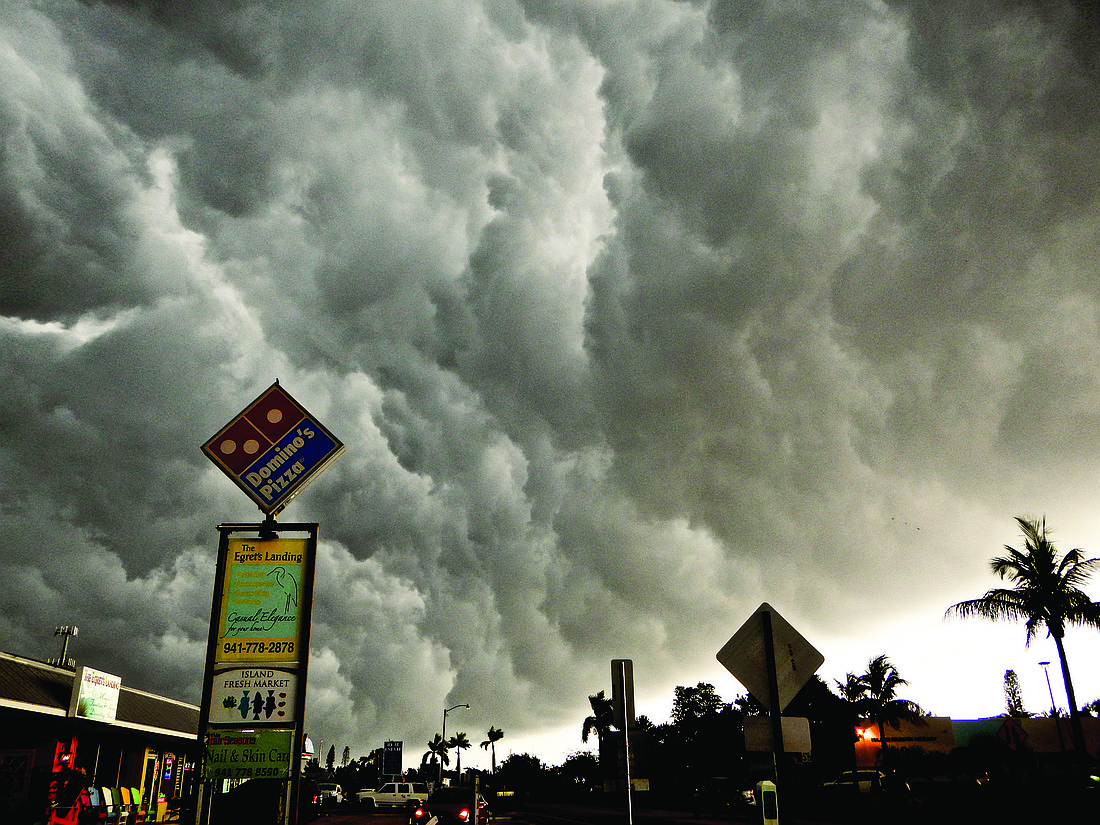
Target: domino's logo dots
250, 447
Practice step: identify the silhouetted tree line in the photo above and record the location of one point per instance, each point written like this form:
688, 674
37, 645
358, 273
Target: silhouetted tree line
702, 747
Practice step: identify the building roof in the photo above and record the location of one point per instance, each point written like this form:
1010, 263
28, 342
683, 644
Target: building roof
36, 687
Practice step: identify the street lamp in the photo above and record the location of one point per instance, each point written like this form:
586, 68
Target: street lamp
1053, 709
443, 737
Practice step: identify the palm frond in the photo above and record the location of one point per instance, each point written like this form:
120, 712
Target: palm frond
997, 605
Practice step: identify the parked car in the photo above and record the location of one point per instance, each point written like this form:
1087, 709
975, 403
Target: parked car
868, 781
722, 796
861, 781
454, 806
330, 793
395, 794
309, 800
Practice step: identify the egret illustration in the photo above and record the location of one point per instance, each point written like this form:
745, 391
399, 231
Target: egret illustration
287, 583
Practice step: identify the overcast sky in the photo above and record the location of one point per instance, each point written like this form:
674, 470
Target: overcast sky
632, 315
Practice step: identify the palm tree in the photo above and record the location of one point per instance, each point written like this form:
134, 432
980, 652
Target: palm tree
460, 743
876, 697
851, 689
495, 735
602, 719
1046, 592
437, 750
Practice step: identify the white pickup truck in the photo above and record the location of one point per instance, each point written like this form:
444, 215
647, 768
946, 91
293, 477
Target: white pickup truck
394, 793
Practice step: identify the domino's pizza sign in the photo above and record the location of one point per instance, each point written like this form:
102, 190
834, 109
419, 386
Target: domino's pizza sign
273, 449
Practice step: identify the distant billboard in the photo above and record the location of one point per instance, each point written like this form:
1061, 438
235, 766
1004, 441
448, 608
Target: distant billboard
391, 758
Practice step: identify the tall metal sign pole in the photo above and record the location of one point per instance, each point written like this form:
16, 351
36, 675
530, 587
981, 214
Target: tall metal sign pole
622, 702
254, 691
773, 691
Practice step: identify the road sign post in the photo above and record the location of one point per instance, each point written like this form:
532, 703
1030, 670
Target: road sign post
773, 690
772, 660
793, 658
622, 701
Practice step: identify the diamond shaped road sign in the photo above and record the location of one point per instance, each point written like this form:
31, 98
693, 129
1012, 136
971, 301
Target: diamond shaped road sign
744, 656
273, 449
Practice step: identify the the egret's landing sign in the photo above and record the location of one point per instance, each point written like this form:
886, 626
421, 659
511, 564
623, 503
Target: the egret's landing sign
273, 449
261, 610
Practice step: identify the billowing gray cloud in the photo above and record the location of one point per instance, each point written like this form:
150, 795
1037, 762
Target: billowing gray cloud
630, 315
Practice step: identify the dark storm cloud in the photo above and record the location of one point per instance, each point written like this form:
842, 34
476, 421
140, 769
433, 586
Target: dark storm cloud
64, 189
998, 126
631, 316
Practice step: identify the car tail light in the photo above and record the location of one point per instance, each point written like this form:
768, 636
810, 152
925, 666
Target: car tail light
464, 814
419, 812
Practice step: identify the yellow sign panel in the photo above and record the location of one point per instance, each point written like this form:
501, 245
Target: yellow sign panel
261, 619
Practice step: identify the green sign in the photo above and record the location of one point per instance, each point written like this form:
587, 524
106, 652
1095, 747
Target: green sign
248, 754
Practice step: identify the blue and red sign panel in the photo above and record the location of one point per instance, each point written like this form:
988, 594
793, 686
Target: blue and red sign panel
273, 449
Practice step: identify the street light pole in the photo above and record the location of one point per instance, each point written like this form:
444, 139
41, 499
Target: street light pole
443, 737
1053, 708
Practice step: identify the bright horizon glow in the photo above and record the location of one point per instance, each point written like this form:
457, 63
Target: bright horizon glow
927, 655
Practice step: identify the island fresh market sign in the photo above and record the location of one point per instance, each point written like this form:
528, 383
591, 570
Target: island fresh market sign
244, 695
